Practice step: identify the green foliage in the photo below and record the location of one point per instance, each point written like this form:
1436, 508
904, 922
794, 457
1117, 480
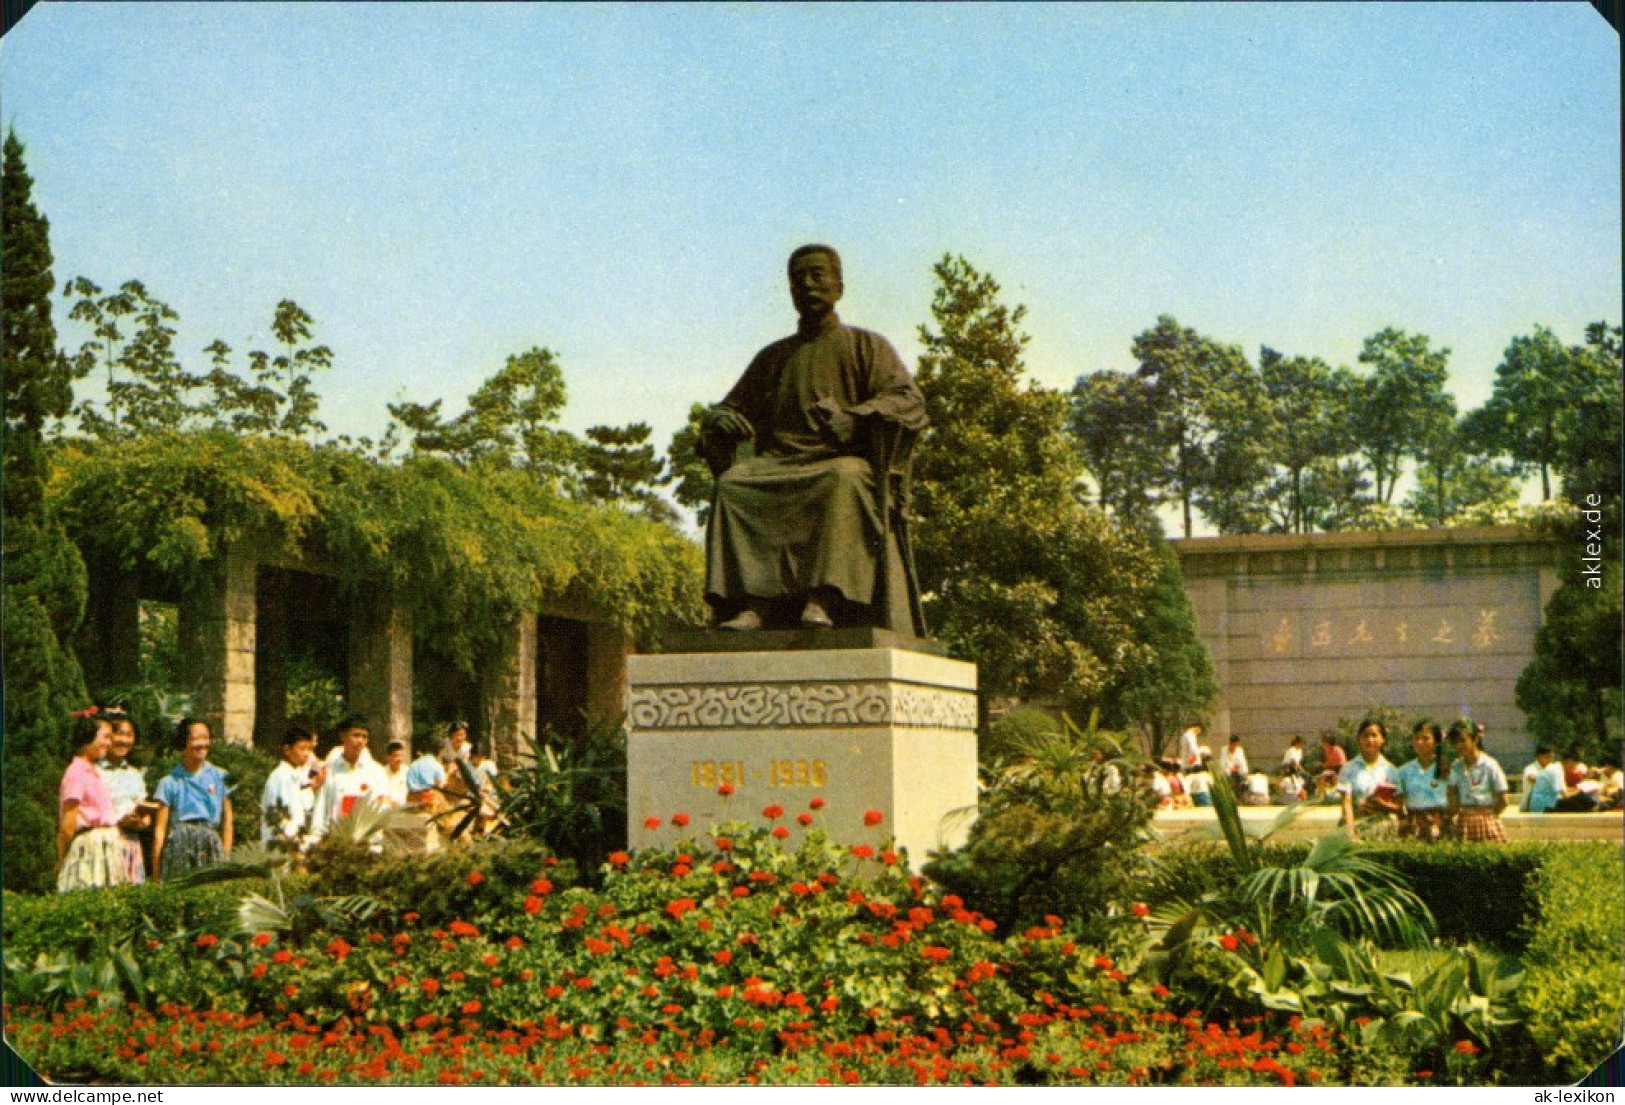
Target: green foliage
1121, 434
693, 481
468, 552
1571, 690
1170, 680
1572, 1000
509, 423
1400, 405
44, 577
1058, 830
569, 792
620, 466
1309, 404
1208, 399
1015, 571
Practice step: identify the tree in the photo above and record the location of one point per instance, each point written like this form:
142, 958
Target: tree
1171, 679
1202, 389
620, 466
1401, 403
1309, 404
1016, 571
1571, 690
1538, 378
693, 480
1452, 479
149, 390
43, 575
1121, 436
509, 423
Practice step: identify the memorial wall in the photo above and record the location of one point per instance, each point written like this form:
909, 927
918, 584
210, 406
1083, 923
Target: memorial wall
1305, 629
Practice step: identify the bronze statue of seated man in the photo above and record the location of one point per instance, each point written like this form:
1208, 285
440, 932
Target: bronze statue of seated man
800, 531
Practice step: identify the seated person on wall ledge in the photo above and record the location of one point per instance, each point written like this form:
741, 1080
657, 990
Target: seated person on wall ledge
797, 528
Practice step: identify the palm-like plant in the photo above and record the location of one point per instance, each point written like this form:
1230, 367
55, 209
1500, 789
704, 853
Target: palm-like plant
570, 793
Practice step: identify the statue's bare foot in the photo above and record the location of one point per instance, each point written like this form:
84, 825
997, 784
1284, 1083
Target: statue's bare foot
744, 620
814, 616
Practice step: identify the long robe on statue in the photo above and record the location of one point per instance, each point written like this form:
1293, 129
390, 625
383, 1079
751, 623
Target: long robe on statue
801, 513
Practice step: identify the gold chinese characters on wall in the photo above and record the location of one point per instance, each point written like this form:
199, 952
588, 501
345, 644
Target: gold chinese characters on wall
1457, 631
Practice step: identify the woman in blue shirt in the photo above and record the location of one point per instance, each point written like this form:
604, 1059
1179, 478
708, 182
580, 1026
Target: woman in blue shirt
1422, 786
194, 815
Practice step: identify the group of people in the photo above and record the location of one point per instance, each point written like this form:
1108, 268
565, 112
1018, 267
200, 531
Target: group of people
111, 832
104, 811
1430, 801
1566, 785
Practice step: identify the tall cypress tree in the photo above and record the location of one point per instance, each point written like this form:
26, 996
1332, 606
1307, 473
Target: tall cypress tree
44, 577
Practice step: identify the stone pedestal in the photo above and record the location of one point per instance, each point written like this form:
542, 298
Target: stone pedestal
866, 728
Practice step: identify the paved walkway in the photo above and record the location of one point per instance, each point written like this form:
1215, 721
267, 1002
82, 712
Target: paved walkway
1316, 820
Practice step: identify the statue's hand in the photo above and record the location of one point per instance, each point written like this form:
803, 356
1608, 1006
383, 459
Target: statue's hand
727, 422
840, 422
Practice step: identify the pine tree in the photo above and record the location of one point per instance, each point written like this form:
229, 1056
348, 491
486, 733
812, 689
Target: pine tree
1017, 571
44, 577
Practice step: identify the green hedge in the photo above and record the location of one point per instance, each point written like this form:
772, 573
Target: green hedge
87, 922
1486, 895
1573, 994
1477, 893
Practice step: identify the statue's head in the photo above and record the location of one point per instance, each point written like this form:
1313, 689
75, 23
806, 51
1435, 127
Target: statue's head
815, 279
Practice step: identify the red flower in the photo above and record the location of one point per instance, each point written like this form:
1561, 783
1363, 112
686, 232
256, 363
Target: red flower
1140, 909
816, 804
207, 940
651, 823
475, 878
680, 820
338, 948
514, 943
1229, 943
780, 831
618, 859
533, 905
281, 955
1102, 962
679, 907
431, 986
863, 851
463, 928
725, 789
541, 886
888, 857
935, 953
261, 939
804, 819
871, 818
471, 1007
1467, 1047
724, 957
773, 812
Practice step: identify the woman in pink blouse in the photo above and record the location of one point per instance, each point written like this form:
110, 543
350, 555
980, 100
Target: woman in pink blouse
89, 849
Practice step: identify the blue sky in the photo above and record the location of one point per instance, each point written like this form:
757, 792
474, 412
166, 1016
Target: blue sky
441, 186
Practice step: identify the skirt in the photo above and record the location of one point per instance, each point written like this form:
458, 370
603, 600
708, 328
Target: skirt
135, 864
190, 846
1424, 825
95, 858
1478, 823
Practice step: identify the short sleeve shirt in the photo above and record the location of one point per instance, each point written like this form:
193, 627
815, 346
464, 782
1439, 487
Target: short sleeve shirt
288, 790
1422, 789
1361, 779
1546, 788
425, 773
199, 797
1479, 784
84, 783
126, 785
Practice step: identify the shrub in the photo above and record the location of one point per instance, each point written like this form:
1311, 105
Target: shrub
1572, 997
1059, 830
